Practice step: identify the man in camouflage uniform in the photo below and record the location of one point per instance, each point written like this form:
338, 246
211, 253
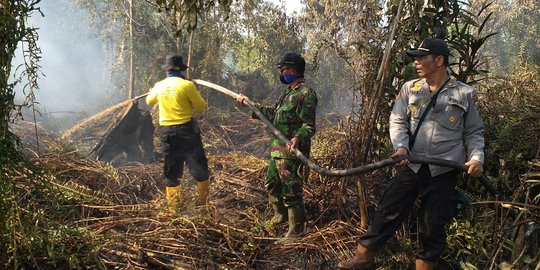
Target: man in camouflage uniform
294, 116
436, 117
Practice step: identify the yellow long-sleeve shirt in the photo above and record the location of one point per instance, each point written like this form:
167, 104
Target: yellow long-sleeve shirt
178, 100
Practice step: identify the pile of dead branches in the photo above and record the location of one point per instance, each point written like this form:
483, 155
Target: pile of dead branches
34, 139
90, 130
125, 205
226, 131
124, 208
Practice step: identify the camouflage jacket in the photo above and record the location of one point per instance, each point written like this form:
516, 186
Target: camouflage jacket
293, 115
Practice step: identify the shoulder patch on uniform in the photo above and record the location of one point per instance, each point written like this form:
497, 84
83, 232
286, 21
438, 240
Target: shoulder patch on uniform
412, 108
452, 82
416, 85
300, 86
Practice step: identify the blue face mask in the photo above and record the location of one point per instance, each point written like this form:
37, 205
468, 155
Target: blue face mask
287, 79
175, 73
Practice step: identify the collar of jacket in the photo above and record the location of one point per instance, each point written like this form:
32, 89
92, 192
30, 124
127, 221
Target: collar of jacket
451, 83
175, 73
297, 84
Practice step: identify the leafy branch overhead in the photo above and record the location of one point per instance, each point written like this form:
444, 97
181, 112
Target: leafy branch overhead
189, 11
467, 38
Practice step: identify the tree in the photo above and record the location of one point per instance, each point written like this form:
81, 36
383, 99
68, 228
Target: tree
15, 33
352, 30
517, 44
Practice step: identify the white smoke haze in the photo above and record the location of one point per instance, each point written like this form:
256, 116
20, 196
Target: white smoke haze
77, 80
76, 75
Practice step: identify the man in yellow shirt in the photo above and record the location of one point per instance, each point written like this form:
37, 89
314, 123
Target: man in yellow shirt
178, 100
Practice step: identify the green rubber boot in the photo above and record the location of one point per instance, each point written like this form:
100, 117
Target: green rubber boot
280, 212
297, 219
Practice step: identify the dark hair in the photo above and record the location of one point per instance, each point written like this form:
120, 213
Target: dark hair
446, 58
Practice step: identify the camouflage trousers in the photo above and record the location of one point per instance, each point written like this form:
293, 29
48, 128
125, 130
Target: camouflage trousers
284, 180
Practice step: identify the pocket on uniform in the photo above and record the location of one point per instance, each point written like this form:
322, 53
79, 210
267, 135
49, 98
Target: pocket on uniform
453, 116
287, 113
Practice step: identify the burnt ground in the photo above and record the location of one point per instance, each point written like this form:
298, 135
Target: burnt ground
124, 208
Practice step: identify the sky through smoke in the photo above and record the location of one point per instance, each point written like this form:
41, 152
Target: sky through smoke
76, 74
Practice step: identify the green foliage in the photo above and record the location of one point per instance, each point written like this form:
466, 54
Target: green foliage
519, 27
467, 38
234, 49
510, 109
240, 53
13, 15
190, 10
154, 36
38, 228
469, 242
511, 112
14, 32
40, 210
461, 23
344, 39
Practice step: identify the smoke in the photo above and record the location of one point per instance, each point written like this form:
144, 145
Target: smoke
76, 75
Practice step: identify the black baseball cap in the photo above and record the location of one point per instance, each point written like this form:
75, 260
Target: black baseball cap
174, 62
293, 60
430, 46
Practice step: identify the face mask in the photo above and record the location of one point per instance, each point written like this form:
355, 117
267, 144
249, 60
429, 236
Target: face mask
286, 79
175, 73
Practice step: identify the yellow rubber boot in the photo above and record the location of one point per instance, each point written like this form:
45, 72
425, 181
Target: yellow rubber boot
174, 197
203, 189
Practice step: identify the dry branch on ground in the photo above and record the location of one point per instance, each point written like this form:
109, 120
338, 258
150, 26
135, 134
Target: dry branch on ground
125, 205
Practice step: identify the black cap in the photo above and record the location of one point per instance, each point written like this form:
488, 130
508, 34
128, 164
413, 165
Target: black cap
293, 60
174, 62
430, 46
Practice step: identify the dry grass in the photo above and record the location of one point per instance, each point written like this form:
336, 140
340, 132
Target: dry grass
126, 206
227, 234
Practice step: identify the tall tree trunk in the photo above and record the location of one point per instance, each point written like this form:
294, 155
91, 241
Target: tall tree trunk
178, 37
131, 87
190, 50
382, 76
371, 113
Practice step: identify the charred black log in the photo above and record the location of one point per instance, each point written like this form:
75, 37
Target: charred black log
129, 138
